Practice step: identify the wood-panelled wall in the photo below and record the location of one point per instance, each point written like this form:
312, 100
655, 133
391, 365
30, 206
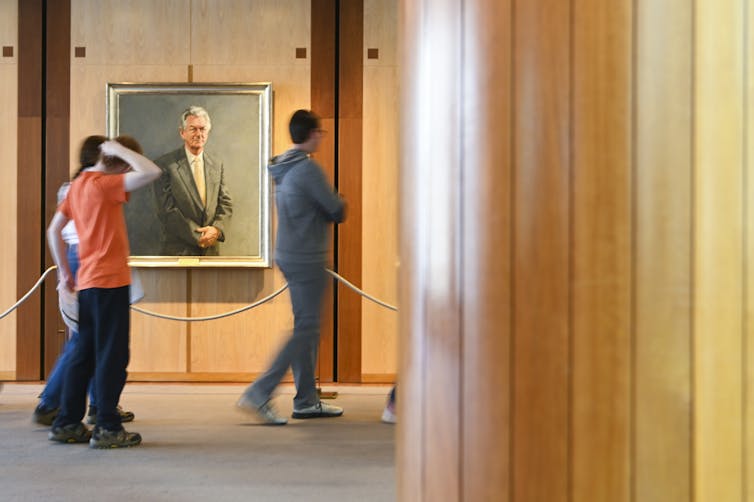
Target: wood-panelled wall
379, 326
232, 41
8, 178
576, 233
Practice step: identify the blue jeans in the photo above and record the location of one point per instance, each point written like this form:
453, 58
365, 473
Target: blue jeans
50, 397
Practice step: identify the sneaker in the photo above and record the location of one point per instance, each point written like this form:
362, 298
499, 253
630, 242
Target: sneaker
266, 413
125, 416
388, 414
43, 415
319, 410
105, 439
71, 433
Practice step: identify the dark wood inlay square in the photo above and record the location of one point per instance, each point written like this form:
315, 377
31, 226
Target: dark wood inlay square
373, 54
79, 52
300, 52
7, 51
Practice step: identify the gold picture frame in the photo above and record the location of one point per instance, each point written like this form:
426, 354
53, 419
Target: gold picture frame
240, 138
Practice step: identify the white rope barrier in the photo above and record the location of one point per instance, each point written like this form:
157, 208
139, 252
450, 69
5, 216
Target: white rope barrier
216, 316
375, 300
28, 293
209, 317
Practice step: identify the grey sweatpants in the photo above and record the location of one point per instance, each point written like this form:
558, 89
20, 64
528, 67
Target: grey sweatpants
306, 285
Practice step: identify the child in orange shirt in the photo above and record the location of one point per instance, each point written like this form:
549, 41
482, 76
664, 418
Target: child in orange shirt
95, 204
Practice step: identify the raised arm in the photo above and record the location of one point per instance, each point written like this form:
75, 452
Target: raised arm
144, 170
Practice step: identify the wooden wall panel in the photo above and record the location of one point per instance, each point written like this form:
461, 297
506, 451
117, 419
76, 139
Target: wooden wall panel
323, 82
29, 240
541, 250
601, 259
349, 184
8, 162
9, 29
748, 340
249, 32
56, 166
159, 345
486, 249
380, 194
245, 342
132, 32
718, 247
379, 234
662, 453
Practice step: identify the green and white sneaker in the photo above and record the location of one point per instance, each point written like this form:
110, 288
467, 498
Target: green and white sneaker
105, 439
71, 433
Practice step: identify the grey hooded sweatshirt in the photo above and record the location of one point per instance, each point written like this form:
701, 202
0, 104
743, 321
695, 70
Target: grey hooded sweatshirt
306, 205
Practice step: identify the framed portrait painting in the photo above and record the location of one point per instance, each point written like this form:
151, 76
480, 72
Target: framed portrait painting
211, 206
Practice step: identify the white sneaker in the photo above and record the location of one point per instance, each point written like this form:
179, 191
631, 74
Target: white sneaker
266, 413
389, 416
319, 410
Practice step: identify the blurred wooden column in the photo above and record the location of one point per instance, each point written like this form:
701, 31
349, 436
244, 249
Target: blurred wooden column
516, 251
455, 294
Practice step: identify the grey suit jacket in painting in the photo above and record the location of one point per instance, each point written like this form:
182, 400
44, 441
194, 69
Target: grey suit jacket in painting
179, 208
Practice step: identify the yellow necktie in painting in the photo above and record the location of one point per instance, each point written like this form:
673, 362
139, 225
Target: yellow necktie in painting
198, 170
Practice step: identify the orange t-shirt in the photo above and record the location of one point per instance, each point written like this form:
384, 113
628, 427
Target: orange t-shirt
95, 204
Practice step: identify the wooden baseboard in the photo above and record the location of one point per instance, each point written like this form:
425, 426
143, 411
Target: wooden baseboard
138, 376
378, 378
147, 376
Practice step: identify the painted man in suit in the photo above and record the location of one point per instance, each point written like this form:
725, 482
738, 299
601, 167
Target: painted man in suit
192, 201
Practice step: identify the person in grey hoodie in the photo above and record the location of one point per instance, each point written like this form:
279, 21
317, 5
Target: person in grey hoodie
306, 206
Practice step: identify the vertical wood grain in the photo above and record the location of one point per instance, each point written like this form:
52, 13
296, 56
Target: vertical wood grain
601, 281
132, 32
662, 454
323, 103
350, 119
718, 259
748, 125
379, 326
248, 32
438, 192
541, 248
29, 182
410, 433
486, 251
57, 140
429, 391
8, 172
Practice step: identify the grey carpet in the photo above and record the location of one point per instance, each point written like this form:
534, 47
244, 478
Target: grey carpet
197, 446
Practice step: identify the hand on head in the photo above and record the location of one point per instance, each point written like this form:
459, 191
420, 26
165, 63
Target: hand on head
111, 148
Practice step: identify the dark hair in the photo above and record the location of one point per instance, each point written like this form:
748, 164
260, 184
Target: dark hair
89, 152
303, 123
127, 141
